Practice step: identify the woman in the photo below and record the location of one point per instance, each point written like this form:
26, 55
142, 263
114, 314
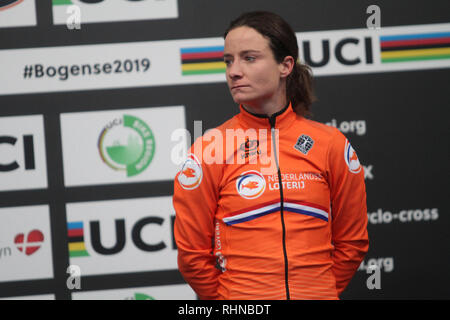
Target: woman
293, 227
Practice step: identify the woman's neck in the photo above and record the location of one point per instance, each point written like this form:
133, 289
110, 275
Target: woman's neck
266, 108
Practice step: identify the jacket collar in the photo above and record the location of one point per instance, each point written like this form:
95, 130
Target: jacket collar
282, 119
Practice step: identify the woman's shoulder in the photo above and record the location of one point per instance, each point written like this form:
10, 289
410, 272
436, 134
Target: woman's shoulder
320, 128
211, 134
229, 124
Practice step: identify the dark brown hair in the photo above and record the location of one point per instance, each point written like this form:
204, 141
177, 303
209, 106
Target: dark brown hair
283, 42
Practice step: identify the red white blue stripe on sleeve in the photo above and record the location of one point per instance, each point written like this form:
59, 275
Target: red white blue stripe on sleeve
294, 206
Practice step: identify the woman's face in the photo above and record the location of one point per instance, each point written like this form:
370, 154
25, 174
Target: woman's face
253, 75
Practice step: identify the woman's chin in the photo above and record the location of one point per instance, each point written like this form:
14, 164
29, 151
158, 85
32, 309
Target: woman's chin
239, 99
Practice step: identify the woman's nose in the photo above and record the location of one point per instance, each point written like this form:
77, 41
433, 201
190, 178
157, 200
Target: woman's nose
234, 70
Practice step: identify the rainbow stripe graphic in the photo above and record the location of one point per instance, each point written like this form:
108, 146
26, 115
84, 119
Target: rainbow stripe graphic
414, 47
202, 60
75, 233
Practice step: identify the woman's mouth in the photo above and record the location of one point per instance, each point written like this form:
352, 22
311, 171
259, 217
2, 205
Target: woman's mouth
239, 86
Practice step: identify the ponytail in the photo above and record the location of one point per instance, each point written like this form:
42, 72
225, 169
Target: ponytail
299, 89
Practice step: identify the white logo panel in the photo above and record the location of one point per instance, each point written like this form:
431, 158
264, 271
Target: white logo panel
120, 236
120, 146
123, 10
25, 243
18, 13
169, 292
34, 297
22, 153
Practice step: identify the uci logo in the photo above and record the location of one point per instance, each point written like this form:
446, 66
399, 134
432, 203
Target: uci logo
351, 159
348, 51
77, 242
251, 184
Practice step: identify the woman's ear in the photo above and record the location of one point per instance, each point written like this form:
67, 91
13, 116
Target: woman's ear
286, 66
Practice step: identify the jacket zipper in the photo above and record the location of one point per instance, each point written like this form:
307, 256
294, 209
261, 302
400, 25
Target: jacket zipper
272, 129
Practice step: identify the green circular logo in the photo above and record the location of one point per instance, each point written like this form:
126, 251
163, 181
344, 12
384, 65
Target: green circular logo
127, 144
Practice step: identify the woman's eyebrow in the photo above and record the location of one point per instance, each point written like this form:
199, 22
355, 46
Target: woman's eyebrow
242, 52
249, 51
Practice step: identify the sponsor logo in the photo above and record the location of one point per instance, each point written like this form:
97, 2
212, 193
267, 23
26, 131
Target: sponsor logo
202, 60
122, 235
385, 264
28, 151
175, 62
120, 146
403, 216
250, 148
17, 13
6, 4
415, 47
29, 243
295, 206
127, 144
374, 266
292, 180
251, 184
191, 173
357, 50
368, 174
304, 144
351, 159
22, 153
67, 72
25, 243
124, 10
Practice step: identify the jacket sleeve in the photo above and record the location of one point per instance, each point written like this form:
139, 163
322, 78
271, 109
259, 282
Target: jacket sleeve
349, 210
195, 202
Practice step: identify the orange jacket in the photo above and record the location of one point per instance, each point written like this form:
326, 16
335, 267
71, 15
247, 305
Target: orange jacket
256, 224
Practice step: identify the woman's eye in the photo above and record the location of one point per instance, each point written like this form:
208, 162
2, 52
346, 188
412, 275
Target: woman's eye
248, 58
227, 62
